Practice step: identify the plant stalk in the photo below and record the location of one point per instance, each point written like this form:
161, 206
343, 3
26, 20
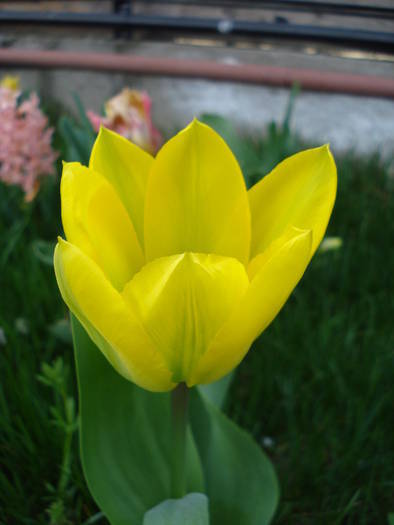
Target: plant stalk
179, 416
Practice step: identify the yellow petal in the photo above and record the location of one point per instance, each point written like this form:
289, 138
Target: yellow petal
300, 192
95, 220
108, 319
257, 262
126, 167
268, 291
196, 200
182, 301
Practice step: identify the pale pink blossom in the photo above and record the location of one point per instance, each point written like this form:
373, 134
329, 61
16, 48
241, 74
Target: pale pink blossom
26, 154
129, 114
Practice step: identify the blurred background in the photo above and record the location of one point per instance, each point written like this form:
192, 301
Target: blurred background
273, 78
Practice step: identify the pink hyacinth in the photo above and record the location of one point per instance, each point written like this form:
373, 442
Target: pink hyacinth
26, 154
129, 114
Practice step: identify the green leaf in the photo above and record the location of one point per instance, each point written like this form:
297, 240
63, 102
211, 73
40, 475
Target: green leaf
125, 439
78, 143
295, 90
190, 510
216, 392
390, 518
86, 124
240, 481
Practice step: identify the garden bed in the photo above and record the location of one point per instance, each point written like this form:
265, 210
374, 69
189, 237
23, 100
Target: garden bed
315, 390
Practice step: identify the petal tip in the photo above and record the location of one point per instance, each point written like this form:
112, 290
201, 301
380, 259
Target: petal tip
58, 253
61, 243
105, 131
324, 154
105, 134
196, 125
326, 150
68, 166
192, 127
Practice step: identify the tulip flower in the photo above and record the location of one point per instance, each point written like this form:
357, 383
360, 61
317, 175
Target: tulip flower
172, 267
129, 114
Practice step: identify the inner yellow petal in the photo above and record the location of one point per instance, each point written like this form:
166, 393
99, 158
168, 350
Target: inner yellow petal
182, 301
126, 167
196, 199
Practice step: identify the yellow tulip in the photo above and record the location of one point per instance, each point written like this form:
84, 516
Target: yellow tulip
171, 265
10, 82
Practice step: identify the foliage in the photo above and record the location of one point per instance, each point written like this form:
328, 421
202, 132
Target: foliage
126, 433
77, 136
315, 390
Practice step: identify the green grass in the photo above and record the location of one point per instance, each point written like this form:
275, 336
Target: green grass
319, 380
317, 383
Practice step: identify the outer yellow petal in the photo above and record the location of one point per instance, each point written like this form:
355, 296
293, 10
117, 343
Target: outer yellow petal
182, 302
108, 319
196, 200
95, 220
126, 167
257, 262
300, 192
268, 291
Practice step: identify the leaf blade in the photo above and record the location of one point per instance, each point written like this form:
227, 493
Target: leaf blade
125, 438
241, 483
192, 509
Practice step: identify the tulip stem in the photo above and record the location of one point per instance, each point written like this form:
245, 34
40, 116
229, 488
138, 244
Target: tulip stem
179, 406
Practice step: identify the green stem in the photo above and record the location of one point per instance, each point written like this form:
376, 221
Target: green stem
179, 405
66, 463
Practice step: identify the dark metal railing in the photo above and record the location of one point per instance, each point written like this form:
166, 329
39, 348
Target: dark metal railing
311, 6
123, 17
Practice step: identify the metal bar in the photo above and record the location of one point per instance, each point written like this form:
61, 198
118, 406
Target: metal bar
356, 37
206, 69
343, 9
123, 8
311, 6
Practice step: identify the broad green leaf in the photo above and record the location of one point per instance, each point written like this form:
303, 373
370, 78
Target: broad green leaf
390, 518
216, 392
190, 510
240, 481
125, 439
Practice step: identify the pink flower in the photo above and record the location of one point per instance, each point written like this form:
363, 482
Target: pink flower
129, 114
26, 154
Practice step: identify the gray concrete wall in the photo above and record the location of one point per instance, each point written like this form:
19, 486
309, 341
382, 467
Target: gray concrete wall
361, 123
